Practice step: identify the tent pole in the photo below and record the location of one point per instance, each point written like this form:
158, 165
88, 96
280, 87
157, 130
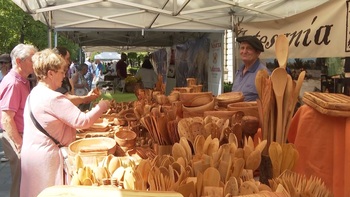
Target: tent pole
234, 57
56, 35
49, 30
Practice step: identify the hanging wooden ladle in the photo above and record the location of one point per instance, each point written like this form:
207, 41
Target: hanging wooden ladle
281, 49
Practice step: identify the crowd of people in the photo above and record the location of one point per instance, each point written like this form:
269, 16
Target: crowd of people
35, 159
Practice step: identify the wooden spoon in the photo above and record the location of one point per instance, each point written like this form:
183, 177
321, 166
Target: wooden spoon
281, 48
260, 75
211, 177
275, 153
287, 157
279, 82
287, 102
294, 100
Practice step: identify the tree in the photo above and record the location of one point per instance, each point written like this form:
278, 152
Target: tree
19, 27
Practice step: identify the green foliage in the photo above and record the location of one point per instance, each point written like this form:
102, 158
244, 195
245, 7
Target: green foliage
19, 27
228, 86
136, 58
133, 70
132, 79
92, 55
124, 97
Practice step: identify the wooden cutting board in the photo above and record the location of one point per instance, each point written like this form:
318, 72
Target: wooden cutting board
322, 110
330, 101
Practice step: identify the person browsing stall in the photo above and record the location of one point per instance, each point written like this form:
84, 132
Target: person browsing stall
67, 87
14, 89
5, 65
147, 74
81, 86
249, 50
42, 160
121, 67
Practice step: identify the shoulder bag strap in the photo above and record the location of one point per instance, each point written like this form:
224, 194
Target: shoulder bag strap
38, 126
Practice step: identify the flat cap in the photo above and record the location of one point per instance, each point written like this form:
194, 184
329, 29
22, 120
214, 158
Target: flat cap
5, 58
253, 41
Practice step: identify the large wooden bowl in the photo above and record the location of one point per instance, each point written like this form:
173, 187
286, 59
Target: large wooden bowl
199, 110
248, 108
126, 139
91, 146
196, 99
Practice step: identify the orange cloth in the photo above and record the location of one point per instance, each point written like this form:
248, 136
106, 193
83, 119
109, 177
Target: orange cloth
323, 143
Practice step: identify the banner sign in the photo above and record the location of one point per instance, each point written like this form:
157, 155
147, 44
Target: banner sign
319, 32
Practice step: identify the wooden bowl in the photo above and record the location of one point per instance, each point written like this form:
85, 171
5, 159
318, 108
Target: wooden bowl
229, 97
95, 145
162, 99
196, 99
173, 97
248, 108
126, 139
191, 81
183, 89
220, 114
199, 110
196, 88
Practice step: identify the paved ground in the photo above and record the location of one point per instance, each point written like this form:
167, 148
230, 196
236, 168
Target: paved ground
5, 175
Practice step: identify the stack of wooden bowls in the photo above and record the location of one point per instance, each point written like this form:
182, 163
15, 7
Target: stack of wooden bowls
248, 108
195, 104
229, 97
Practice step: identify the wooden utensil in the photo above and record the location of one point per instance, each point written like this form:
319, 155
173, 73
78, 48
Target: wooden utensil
281, 48
266, 106
287, 157
287, 101
294, 100
275, 153
260, 75
279, 82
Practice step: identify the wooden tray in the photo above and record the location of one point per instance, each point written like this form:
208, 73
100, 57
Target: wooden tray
331, 101
322, 110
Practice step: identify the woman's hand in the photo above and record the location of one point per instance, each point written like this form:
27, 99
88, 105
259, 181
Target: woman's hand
104, 104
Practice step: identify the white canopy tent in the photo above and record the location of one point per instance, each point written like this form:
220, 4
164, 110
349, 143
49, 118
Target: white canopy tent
107, 56
154, 23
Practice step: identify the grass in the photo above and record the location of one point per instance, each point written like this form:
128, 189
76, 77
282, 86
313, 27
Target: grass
119, 97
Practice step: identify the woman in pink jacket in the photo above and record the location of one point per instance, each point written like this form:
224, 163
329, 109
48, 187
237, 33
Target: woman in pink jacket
42, 161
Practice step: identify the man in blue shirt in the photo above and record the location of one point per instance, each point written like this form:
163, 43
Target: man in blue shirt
249, 50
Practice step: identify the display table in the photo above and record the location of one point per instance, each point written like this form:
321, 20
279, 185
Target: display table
323, 143
106, 191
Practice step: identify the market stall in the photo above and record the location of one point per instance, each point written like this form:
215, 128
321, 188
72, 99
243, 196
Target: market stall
154, 145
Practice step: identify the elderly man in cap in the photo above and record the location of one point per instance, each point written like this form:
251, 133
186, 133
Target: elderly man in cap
5, 65
249, 50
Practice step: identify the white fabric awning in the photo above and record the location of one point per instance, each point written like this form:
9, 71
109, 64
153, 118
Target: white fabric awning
154, 23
